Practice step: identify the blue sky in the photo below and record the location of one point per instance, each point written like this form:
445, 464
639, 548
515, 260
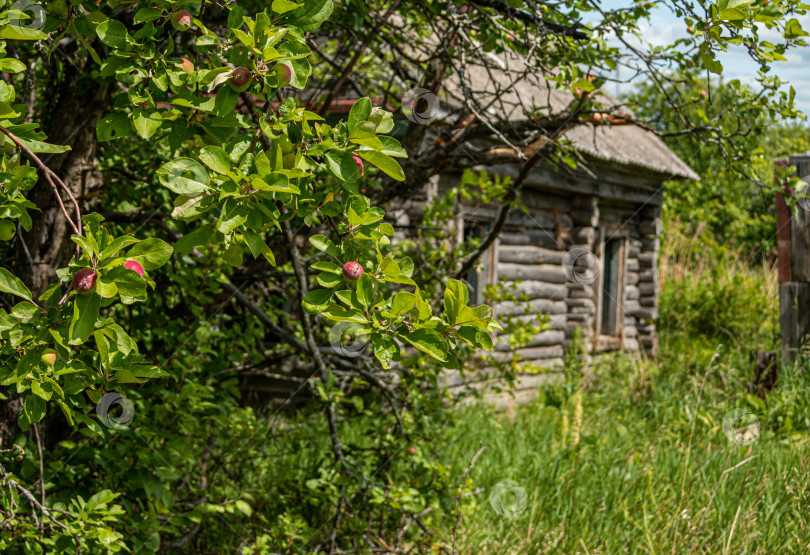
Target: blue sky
664, 26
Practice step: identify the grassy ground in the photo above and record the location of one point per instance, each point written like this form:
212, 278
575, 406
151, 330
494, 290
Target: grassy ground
631, 455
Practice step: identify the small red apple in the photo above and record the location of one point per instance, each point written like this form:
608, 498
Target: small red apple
181, 20
690, 29
412, 450
352, 270
703, 94
789, 191
134, 266
360, 167
188, 66
284, 73
48, 357
84, 281
240, 79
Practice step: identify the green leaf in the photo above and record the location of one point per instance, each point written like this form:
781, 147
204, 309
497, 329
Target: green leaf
34, 408
146, 122
147, 14
85, 313
402, 303
113, 33
128, 282
113, 126
427, 341
359, 113
387, 164
184, 176
14, 32
199, 236
150, 253
326, 266
9, 283
233, 215
317, 300
311, 15
321, 243
11, 65
283, 6
216, 159
456, 297
365, 291
341, 164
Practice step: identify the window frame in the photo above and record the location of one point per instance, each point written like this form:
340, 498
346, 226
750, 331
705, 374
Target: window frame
615, 341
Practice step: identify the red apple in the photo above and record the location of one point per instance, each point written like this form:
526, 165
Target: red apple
240, 79
134, 266
360, 167
188, 66
181, 20
284, 73
690, 29
48, 357
84, 281
703, 94
352, 270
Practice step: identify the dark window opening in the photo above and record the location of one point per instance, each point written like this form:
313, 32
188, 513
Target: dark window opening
477, 279
611, 287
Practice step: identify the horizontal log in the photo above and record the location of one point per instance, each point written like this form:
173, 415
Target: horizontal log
629, 331
580, 292
545, 201
539, 219
650, 244
647, 289
550, 350
646, 329
648, 302
570, 328
532, 289
527, 254
646, 313
530, 307
631, 293
540, 238
584, 216
630, 344
633, 252
631, 265
647, 259
584, 235
650, 274
550, 273
581, 303
650, 227
549, 341
630, 307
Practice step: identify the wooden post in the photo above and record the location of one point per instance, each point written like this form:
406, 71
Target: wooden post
793, 243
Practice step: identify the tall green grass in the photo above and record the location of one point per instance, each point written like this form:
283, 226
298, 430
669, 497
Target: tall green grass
653, 471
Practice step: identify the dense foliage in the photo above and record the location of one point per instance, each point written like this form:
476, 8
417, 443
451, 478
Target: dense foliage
195, 245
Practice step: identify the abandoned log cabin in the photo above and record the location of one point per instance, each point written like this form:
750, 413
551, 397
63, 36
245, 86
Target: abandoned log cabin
586, 251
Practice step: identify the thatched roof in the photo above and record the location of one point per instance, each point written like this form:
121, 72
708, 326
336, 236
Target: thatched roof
514, 94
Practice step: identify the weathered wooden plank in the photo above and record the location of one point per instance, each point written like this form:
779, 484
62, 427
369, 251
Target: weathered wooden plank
783, 216
580, 292
531, 307
794, 302
800, 246
546, 201
550, 273
529, 255
542, 339
585, 217
539, 290
549, 347
647, 259
647, 289
581, 303
584, 235
540, 238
